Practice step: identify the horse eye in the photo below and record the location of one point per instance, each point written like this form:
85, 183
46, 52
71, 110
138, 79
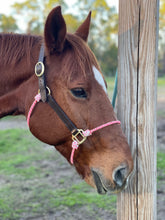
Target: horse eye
79, 93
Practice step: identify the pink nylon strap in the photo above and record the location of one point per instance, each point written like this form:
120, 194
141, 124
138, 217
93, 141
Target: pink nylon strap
87, 133
37, 99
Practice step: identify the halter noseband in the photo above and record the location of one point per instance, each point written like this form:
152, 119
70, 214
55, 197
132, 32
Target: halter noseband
44, 95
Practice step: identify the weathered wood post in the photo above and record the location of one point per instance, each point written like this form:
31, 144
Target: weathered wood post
137, 91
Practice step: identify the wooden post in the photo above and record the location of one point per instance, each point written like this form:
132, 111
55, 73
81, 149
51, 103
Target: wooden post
137, 91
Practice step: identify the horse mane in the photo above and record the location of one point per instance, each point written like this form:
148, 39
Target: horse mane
14, 47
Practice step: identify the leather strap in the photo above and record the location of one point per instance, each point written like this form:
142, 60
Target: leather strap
39, 71
62, 115
46, 97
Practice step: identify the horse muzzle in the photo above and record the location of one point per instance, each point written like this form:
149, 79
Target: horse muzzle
120, 180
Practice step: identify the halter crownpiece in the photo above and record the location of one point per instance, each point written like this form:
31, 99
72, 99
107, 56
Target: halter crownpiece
44, 95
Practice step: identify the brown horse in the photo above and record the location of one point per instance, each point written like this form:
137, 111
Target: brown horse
76, 83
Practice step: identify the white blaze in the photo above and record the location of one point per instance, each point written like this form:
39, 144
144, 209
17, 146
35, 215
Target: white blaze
99, 78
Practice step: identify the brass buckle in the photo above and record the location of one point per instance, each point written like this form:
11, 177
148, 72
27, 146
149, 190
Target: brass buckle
78, 136
39, 69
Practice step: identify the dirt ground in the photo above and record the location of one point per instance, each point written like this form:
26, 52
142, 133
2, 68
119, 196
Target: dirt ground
19, 122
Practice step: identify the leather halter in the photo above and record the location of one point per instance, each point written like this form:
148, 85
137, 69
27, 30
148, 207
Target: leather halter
78, 135
46, 97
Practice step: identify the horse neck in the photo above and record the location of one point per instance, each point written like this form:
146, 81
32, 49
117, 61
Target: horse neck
18, 55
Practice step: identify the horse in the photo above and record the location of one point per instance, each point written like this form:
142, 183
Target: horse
72, 111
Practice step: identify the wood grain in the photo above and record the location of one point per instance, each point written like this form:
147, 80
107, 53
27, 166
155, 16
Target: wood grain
137, 91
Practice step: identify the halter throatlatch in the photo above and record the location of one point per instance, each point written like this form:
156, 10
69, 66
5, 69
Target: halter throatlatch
44, 95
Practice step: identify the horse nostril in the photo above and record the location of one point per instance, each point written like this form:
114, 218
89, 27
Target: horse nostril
120, 175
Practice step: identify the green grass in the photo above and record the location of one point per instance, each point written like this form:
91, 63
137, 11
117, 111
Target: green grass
18, 151
80, 195
26, 189
161, 81
44, 199
161, 161
161, 166
111, 82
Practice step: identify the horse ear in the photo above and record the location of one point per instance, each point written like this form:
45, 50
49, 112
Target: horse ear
83, 30
55, 31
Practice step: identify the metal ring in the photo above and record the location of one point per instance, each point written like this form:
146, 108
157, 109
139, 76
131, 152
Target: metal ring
48, 90
39, 67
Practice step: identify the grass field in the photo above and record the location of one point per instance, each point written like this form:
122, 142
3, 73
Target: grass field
161, 85
24, 188
23, 180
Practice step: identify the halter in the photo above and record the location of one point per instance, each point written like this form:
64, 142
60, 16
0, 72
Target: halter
44, 95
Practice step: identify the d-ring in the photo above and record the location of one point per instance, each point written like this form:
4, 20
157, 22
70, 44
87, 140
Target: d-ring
48, 90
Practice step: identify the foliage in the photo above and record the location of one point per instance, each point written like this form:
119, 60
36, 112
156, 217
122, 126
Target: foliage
72, 22
7, 23
35, 12
107, 59
103, 29
162, 15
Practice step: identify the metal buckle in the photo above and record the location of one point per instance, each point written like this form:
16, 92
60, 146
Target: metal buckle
39, 69
77, 135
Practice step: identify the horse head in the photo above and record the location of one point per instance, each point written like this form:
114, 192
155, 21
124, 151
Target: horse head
75, 80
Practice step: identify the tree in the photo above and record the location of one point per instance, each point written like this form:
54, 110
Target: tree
109, 60
35, 12
7, 23
162, 15
104, 20
104, 28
